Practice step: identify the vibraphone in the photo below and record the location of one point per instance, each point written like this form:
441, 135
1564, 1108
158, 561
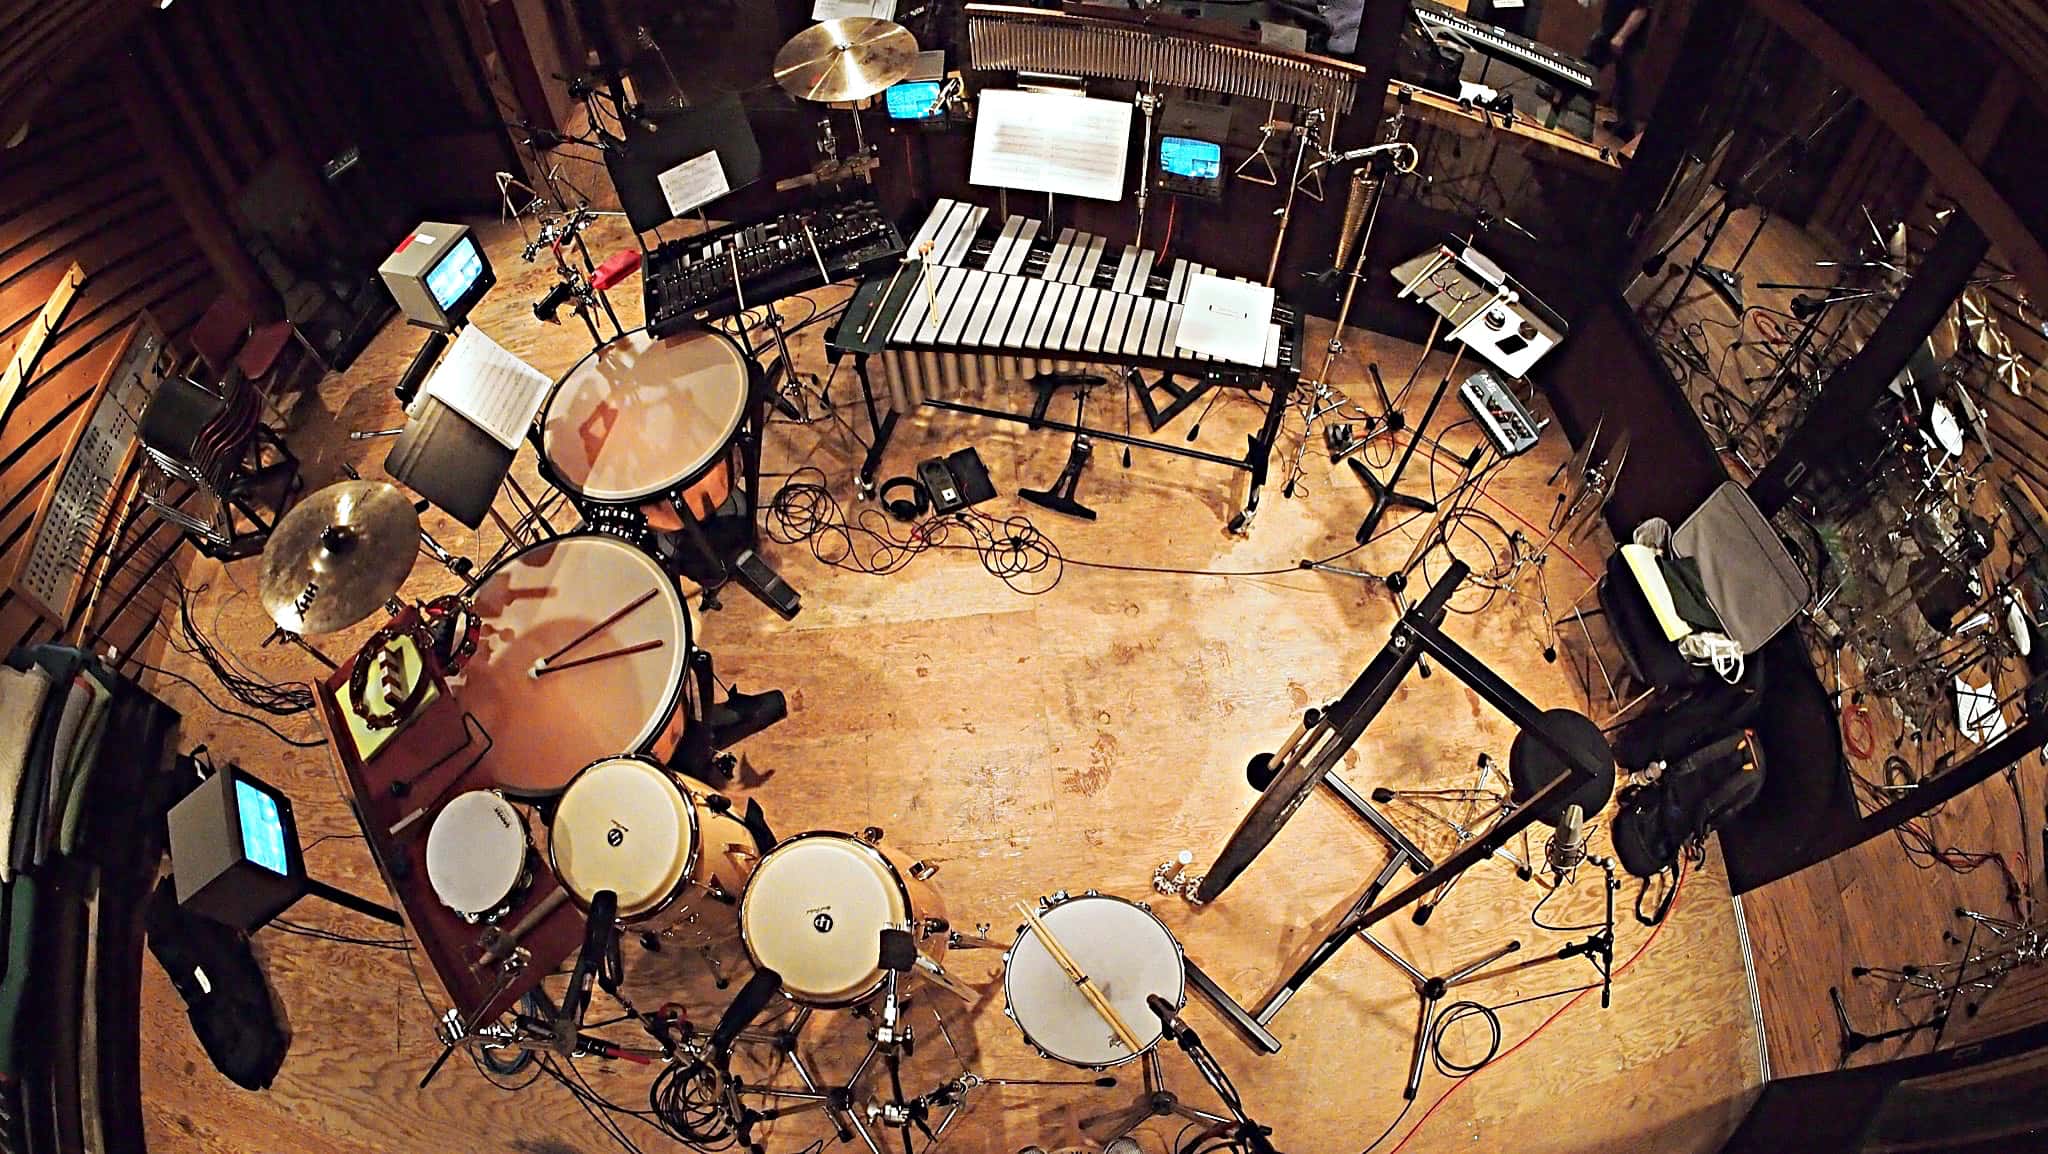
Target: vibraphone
973, 306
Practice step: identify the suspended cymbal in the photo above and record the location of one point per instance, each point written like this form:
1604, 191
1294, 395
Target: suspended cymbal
849, 59
338, 555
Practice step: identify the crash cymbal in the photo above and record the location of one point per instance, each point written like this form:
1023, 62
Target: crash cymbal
338, 555
849, 59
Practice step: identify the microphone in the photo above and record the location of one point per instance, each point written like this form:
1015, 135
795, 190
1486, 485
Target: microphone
1169, 1022
597, 941
1804, 306
746, 1006
1567, 846
1359, 154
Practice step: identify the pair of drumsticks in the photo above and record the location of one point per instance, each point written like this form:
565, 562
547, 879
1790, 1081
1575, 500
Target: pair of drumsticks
1087, 985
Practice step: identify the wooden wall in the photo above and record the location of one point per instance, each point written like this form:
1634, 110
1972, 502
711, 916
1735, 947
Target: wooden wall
81, 189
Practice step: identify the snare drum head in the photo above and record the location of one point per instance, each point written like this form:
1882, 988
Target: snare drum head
1124, 950
476, 852
814, 912
543, 729
623, 825
643, 415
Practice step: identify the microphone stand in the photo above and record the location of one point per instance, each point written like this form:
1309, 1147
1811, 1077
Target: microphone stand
1251, 1136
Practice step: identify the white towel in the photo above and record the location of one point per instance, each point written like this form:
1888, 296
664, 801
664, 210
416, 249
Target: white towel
22, 693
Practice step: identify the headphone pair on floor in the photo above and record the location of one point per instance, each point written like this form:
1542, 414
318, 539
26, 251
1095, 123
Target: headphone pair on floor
910, 509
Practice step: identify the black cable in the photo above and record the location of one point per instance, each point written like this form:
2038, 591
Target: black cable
221, 709
1389, 1131
325, 935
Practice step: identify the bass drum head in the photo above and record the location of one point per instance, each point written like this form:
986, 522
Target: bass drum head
642, 415
814, 912
476, 852
624, 825
1123, 949
542, 729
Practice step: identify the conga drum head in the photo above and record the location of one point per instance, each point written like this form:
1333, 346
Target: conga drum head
624, 825
544, 724
814, 912
1124, 950
643, 416
476, 853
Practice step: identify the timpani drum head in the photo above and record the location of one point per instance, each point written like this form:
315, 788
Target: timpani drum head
642, 415
544, 727
624, 825
1123, 949
476, 852
814, 912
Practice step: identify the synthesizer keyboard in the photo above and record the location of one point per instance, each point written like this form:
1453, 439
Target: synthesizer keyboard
1501, 415
1528, 55
692, 279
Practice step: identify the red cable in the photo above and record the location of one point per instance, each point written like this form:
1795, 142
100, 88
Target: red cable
1640, 951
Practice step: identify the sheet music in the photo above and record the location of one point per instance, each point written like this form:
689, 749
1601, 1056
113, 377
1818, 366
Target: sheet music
1977, 713
492, 388
1046, 142
1226, 319
695, 182
824, 10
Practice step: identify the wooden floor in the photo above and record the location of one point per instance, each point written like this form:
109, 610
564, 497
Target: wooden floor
1873, 906
1028, 744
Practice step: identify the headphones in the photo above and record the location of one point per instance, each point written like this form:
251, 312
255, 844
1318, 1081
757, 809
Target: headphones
906, 509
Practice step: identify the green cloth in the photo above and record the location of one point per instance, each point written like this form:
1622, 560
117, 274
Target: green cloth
1689, 592
17, 911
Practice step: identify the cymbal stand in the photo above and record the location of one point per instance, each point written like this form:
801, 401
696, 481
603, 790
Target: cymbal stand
1430, 992
1249, 1135
835, 1101
1158, 1102
1306, 132
784, 363
1937, 1021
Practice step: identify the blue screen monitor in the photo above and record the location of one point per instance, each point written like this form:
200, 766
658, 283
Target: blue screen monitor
262, 829
1190, 159
457, 273
913, 100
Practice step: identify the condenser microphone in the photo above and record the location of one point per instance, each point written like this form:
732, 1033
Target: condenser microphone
1567, 846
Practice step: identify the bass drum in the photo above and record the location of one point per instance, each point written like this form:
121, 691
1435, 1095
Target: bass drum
668, 847
556, 681
815, 910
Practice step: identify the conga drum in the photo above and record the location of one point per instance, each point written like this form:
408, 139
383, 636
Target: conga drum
815, 909
672, 850
581, 653
649, 423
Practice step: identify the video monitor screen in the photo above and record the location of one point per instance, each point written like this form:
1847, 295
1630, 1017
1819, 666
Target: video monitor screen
914, 100
262, 829
456, 274
1191, 159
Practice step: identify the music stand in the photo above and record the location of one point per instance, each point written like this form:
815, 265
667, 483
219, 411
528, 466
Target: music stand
637, 161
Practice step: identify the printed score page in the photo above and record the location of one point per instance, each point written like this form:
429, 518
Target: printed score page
1048, 142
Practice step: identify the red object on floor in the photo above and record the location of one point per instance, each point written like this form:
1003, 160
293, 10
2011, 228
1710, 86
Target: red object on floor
616, 267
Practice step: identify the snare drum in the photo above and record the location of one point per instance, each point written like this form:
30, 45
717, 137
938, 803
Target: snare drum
1123, 949
658, 841
479, 856
542, 727
815, 910
649, 423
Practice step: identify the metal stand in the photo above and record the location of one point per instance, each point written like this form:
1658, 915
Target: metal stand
352, 903
1430, 992
1158, 1102
1500, 805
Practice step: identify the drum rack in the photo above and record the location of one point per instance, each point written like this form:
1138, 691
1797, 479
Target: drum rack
1305, 762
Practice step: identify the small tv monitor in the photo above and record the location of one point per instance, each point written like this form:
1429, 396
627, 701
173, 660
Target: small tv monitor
914, 100
262, 827
437, 274
1190, 159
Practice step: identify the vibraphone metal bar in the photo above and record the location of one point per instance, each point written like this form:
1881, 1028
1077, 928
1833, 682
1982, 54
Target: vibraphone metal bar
1149, 49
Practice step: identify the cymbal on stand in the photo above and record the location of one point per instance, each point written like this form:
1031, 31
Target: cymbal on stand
338, 555
847, 59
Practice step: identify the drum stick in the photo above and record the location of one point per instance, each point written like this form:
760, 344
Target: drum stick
596, 629
1087, 985
498, 944
638, 647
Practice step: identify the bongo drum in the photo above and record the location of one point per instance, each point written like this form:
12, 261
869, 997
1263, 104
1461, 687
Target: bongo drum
815, 909
479, 856
662, 843
649, 423
581, 653
1126, 952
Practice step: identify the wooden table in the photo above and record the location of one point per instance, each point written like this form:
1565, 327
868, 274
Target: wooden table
450, 944
1555, 145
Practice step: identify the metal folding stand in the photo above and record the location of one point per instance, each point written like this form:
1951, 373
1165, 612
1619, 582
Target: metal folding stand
1430, 992
1308, 759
